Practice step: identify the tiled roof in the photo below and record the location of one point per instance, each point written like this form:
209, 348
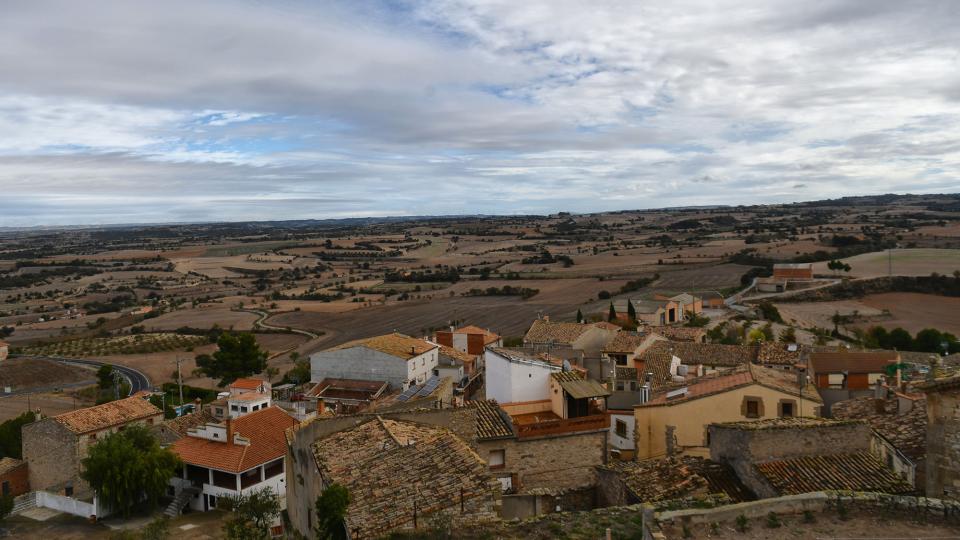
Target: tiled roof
542, 331
648, 306
247, 384
392, 467
907, 431
625, 342
7, 464
624, 373
175, 428
455, 354
347, 388
265, 430
853, 361
735, 378
107, 415
248, 396
686, 298
396, 344
579, 387
838, 472
488, 336
492, 421
939, 385
681, 333
784, 423
772, 352
604, 325
664, 479
709, 354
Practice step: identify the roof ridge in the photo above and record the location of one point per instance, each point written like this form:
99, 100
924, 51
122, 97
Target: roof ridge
389, 432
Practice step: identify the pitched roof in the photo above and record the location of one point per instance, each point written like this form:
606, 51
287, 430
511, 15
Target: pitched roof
543, 331
492, 421
907, 431
516, 355
169, 431
488, 336
686, 298
395, 344
265, 431
578, 387
456, 355
107, 415
648, 306
838, 472
772, 352
247, 384
662, 479
735, 378
680, 333
7, 464
389, 466
853, 361
710, 354
625, 342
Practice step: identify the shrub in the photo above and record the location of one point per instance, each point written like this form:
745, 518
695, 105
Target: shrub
773, 521
742, 523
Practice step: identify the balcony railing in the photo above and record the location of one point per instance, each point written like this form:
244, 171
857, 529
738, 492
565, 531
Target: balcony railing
571, 425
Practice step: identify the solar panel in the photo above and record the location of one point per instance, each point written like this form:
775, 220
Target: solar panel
429, 386
408, 393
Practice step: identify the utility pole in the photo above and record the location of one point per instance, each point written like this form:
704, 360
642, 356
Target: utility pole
180, 381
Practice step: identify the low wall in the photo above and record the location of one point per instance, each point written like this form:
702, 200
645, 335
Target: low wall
68, 505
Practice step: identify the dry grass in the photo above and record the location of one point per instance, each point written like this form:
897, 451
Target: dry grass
906, 262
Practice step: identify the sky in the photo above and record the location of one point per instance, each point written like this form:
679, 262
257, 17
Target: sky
188, 111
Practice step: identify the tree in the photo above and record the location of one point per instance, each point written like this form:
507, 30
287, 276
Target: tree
10, 435
612, 315
631, 312
331, 508
788, 335
105, 376
767, 330
579, 316
252, 515
127, 466
238, 355
755, 337
770, 312
900, 340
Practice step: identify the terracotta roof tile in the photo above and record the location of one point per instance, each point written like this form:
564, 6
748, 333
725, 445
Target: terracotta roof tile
625, 342
563, 333
655, 480
839, 472
772, 352
265, 430
681, 333
396, 344
176, 428
488, 336
8, 464
492, 421
709, 354
456, 354
107, 415
906, 431
735, 378
247, 384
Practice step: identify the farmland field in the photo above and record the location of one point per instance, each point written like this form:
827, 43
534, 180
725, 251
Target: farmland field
910, 311
905, 262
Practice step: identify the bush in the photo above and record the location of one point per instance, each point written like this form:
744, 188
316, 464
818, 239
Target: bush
742, 523
773, 521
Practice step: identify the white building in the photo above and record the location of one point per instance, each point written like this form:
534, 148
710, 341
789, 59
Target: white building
514, 376
622, 424
246, 403
398, 359
236, 457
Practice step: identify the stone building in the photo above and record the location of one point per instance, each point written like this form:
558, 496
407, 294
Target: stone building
54, 447
943, 438
789, 456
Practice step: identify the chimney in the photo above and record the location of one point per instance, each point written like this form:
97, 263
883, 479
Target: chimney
546, 318
321, 407
197, 404
229, 430
413, 350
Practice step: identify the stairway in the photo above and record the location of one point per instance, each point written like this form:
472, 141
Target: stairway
180, 501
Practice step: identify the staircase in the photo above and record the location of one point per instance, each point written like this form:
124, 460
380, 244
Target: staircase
179, 501
24, 502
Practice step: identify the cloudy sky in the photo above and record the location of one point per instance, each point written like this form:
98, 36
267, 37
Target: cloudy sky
119, 112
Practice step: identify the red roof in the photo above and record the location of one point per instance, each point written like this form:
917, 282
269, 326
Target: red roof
247, 384
707, 386
853, 361
265, 430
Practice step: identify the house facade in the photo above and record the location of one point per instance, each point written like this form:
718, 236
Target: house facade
54, 447
230, 458
398, 359
514, 377
793, 271
675, 421
468, 339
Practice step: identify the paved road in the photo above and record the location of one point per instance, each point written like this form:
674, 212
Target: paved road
263, 317
138, 381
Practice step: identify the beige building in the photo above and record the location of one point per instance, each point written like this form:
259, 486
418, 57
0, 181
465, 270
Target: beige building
55, 446
675, 422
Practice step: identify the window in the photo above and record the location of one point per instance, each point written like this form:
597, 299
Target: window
149, 421
619, 386
621, 360
497, 459
752, 407
243, 409
272, 469
621, 428
93, 436
234, 408
787, 408
68, 491
5, 488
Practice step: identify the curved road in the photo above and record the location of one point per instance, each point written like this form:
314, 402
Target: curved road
138, 381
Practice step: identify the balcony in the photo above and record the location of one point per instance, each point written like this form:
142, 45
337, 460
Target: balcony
560, 426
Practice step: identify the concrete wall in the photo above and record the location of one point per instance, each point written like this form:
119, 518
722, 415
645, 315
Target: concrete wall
68, 505
359, 363
690, 418
508, 381
943, 444
53, 456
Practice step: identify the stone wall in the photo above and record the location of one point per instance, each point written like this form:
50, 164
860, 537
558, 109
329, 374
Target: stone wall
743, 446
557, 462
943, 444
53, 457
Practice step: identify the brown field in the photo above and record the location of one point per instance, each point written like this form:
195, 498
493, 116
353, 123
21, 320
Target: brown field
552, 291
906, 262
700, 278
26, 373
914, 312
216, 267
49, 403
808, 314
204, 316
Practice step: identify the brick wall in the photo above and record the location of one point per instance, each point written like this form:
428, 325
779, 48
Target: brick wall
17, 480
